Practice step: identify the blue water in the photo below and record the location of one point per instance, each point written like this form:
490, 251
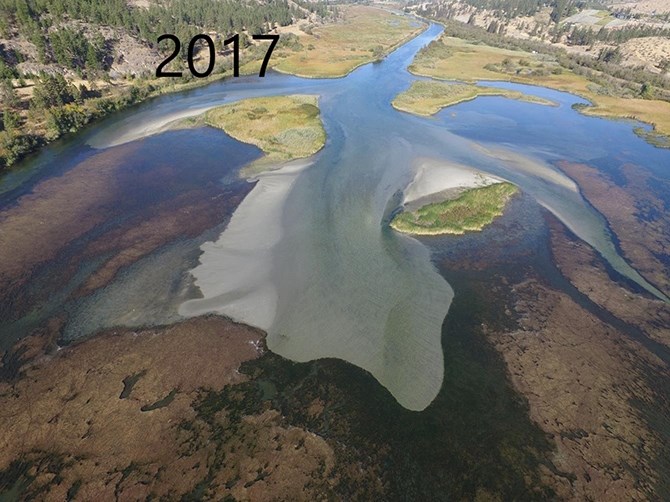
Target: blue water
331, 279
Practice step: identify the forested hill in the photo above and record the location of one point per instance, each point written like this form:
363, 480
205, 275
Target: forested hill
42, 21
180, 17
510, 9
65, 62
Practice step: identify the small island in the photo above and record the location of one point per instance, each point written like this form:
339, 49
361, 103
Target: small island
471, 211
429, 97
284, 127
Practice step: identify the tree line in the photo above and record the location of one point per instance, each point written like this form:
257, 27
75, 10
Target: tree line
588, 36
167, 17
510, 9
603, 69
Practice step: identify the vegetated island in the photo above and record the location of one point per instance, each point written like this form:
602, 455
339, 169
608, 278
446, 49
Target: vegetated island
427, 98
450, 58
284, 127
471, 211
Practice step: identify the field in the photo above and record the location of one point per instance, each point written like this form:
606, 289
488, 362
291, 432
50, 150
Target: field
364, 34
284, 127
455, 59
471, 211
427, 98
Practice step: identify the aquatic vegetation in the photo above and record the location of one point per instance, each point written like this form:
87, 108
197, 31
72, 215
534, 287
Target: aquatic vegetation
427, 98
653, 138
470, 211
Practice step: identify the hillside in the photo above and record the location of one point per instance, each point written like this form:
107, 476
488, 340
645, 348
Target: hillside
63, 64
620, 31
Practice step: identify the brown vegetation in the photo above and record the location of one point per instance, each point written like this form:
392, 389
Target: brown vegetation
585, 269
638, 218
94, 421
580, 376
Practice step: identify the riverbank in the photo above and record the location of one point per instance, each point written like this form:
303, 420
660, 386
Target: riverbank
427, 98
361, 35
451, 58
364, 34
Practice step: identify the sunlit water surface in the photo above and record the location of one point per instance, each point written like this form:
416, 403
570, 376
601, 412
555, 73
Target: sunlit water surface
308, 255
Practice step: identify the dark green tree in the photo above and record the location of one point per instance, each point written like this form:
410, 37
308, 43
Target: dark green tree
51, 91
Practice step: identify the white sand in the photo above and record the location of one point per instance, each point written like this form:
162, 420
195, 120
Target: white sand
133, 128
316, 271
525, 164
234, 274
433, 177
560, 195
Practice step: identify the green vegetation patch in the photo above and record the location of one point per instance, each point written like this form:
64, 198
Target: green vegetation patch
471, 211
430, 55
428, 98
284, 127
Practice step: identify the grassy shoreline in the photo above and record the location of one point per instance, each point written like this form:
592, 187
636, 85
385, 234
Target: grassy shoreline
365, 34
285, 128
454, 59
429, 97
471, 211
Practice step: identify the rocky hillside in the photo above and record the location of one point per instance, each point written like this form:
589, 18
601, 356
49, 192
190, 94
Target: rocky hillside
631, 33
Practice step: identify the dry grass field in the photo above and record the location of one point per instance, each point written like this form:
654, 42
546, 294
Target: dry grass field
284, 127
364, 34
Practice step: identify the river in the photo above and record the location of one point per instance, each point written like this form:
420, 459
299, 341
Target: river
308, 255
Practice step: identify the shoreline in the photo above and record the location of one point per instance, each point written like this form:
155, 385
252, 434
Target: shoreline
597, 106
119, 104
391, 49
415, 103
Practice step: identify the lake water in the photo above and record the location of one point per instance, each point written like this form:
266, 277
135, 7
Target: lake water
308, 255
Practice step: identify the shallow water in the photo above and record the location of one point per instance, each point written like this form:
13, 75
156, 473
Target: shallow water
308, 256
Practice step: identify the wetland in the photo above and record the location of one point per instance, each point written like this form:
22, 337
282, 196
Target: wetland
280, 334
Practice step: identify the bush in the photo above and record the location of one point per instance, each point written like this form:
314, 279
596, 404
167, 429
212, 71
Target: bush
69, 118
16, 146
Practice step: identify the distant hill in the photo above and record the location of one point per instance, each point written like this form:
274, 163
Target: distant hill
613, 31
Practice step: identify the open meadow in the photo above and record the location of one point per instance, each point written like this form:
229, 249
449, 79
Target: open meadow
361, 35
284, 127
